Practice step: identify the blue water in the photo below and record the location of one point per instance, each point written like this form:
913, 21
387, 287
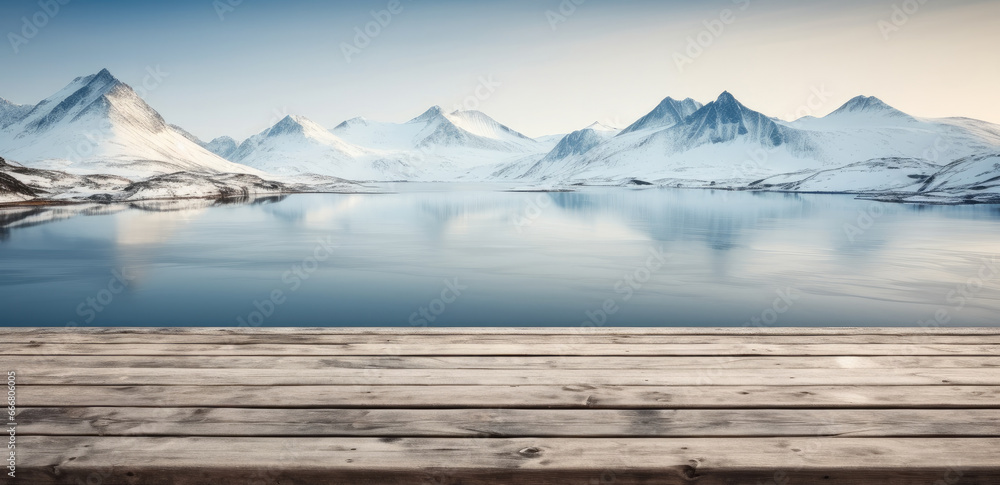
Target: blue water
475, 255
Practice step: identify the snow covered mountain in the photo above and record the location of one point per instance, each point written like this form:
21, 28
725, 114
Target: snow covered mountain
668, 113
725, 143
222, 146
881, 175
97, 124
444, 146
11, 113
978, 174
710, 144
296, 146
435, 129
432, 146
572, 145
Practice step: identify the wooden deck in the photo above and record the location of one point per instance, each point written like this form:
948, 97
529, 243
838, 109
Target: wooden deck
505, 406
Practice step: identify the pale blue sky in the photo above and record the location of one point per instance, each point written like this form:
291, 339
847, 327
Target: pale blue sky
609, 61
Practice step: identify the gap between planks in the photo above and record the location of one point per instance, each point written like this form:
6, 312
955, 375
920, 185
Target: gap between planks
504, 423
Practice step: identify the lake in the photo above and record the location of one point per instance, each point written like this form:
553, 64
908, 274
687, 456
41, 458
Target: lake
477, 255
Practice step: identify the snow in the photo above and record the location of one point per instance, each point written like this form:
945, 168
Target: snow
222, 146
11, 113
729, 144
882, 175
97, 124
974, 175
668, 113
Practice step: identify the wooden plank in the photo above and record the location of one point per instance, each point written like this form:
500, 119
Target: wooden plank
587, 397
567, 338
507, 423
531, 461
29, 362
507, 348
508, 331
57, 375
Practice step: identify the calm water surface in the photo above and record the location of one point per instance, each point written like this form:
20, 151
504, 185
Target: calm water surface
447, 255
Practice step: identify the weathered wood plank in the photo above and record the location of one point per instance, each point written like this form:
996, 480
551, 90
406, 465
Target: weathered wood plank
566, 338
506, 348
29, 362
587, 397
507, 423
509, 331
58, 375
532, 461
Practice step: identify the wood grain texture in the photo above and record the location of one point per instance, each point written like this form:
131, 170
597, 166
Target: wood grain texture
528, 397
505, 423
493, 362
607, 406
59, 375
509, 347
533, 461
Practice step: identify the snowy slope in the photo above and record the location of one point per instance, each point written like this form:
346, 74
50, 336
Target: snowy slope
444, 146
12, 189
570, 146
866, 128
973, 175
298, 146
881, 175
222, 146
668, 113
725, 142
460, 129
98, 124
11, 113
711, 144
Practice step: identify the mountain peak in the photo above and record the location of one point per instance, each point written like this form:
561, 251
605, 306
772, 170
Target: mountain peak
598, 126
726, 98
288, 124
103, 80
725, 120
430, 114
868, 105
666, 114
356, 121
105, 74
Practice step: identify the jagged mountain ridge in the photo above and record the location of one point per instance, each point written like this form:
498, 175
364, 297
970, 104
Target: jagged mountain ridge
724, 141
11, 113
97, 124
668, 113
